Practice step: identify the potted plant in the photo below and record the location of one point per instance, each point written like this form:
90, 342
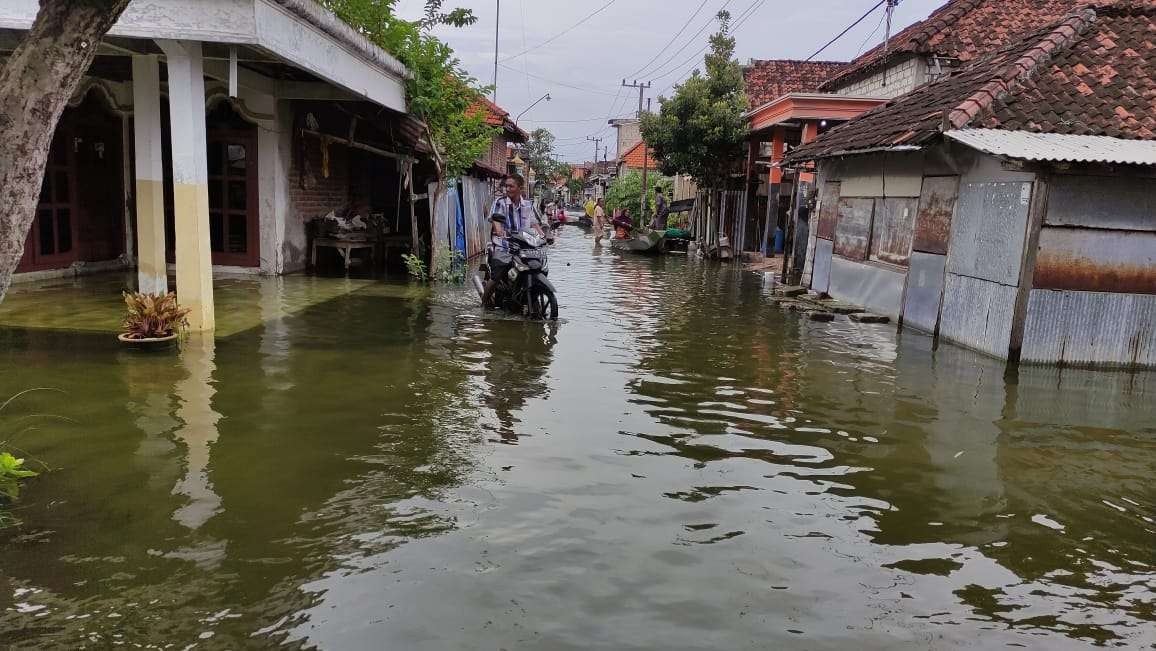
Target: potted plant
153, 320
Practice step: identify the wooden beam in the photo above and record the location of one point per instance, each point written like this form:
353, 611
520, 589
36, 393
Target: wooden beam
1037, 210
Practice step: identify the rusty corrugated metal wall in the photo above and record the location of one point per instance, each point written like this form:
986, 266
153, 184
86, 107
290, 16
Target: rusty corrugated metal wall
477, 199
1093, 300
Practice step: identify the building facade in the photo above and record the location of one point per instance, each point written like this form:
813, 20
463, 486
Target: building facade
206, 135
1006, 208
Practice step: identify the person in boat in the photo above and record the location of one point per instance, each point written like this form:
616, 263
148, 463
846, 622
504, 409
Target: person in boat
623, 225
511, 213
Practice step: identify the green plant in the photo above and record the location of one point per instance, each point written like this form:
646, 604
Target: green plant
439, 91
11, 472
700, 130
415, 266
450, 267
576, 186
153, 316
12, 469
625, 192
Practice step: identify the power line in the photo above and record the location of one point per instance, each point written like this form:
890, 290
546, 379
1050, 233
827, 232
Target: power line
565, 121
849, 28
562, 33
873, 33
743, 17
671, 42
555, 81
688, 43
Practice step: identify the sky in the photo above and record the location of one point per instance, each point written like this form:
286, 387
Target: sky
582, 69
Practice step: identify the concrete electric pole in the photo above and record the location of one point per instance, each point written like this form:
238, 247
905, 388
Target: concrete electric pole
641, 93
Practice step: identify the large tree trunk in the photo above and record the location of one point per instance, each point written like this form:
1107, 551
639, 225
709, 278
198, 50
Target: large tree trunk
35, 85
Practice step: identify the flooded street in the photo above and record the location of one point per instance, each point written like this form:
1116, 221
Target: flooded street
680, 463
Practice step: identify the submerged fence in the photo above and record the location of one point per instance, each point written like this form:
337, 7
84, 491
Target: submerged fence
719, 221
460, 221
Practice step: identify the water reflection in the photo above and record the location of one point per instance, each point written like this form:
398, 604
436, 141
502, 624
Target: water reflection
696, 467
198, 431
517, 355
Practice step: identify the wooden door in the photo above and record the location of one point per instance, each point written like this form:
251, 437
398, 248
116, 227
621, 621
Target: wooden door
234, 217
51, 242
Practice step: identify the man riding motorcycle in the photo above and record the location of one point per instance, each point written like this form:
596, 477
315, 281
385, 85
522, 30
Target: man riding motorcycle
512, 213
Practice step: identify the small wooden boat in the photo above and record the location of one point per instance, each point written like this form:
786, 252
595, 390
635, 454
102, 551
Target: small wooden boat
649, 242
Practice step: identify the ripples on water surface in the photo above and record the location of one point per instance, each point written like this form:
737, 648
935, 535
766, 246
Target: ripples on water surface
679, 464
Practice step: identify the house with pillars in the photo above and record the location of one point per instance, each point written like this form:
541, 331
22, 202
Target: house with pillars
207, 134
787, 110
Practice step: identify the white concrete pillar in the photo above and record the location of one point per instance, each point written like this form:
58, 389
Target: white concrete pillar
190, 180
152, 277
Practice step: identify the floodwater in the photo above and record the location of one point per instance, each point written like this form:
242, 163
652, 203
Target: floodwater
679, 464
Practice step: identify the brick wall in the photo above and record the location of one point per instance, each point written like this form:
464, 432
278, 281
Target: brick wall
318, 194
901, 78
497, 156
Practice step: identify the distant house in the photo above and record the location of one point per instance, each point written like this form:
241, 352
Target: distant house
1009, 206
629, 133
958, 32
461, 223
494, 164
786, 110
635, 158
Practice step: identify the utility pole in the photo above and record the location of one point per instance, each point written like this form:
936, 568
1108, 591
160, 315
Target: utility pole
497, 22
890, 11
645, 160
641, 90
641, 93
597, 142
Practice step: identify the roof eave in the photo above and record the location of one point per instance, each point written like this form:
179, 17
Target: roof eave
790, 160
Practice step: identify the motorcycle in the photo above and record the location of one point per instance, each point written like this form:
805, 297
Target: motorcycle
519, 272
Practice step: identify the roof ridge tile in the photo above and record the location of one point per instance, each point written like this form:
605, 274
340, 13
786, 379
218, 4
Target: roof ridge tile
1022, 68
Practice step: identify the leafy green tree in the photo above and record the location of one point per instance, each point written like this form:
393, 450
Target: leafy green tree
539, 154
700, 130
576, 187
440, 92
625, 192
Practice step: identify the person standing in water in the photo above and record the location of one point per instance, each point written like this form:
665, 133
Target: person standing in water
661, 210
599, 221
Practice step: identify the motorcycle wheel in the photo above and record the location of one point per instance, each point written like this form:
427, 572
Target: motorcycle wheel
543, 304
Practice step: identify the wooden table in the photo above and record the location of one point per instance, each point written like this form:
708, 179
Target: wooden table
344, 247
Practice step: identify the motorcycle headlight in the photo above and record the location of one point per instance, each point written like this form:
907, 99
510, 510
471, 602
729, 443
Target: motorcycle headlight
512, 274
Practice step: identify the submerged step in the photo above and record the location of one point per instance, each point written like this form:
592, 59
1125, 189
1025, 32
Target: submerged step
867, 317
822, 316
790, 291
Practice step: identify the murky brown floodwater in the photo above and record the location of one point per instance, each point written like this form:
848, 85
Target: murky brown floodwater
680, 464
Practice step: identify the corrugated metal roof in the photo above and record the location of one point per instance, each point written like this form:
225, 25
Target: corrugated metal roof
1054, 147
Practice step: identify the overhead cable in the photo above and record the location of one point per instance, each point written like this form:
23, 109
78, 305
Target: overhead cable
849, 28
561, 33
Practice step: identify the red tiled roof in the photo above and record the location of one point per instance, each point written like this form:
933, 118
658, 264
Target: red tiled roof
498, 117
633, 157
1102, 85
769, 79
964, 30
1089, 74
